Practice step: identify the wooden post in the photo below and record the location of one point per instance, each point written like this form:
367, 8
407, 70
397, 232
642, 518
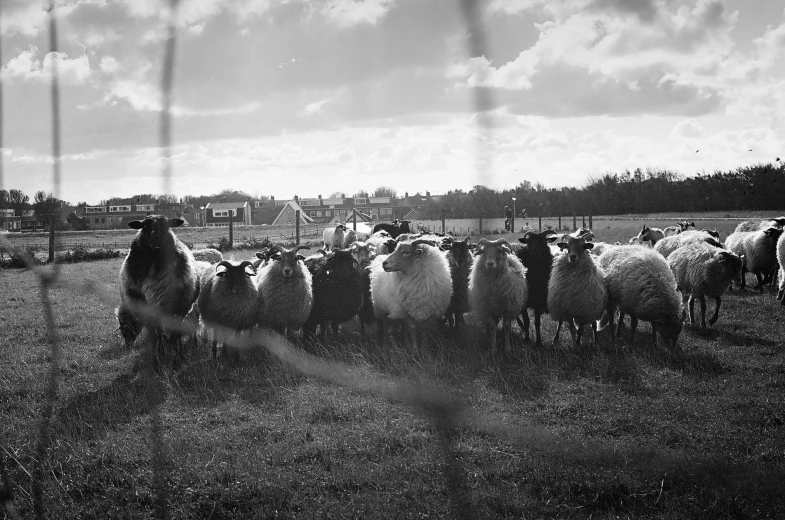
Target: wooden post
480, 233
559, 221
574, 224
354, 219
231, 234
51, 239
583, 218
443, 229
591, 226
539, 217
297, 226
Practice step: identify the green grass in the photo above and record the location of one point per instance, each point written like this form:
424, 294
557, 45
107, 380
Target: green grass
600, 432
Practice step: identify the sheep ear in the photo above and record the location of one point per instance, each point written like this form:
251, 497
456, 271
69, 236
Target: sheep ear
300, 257
562, 245
136, 224
588, 245
176, 222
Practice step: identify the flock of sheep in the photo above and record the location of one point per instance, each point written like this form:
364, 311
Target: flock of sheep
394, 277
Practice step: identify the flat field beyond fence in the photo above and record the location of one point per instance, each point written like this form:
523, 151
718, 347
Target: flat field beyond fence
630, 431
607, 228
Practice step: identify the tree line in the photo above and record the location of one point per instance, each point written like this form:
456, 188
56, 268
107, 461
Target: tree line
757, 187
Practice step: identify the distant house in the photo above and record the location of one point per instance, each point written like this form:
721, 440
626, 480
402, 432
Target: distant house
288, 215
216, 214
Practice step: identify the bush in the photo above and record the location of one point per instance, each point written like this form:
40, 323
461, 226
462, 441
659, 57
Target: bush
250, 243
16, 259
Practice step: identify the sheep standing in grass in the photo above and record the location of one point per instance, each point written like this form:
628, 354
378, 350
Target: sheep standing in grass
668, 245
757, 225
576, 289
228, 297
285, 290
412, 284
334, 237
641, 284
781, 261
159, 271
537, 258
459, 256
759, 251
703, 270
337, 292
652, 235
497, 288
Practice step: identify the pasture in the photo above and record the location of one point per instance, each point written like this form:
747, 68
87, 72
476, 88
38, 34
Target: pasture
603, 432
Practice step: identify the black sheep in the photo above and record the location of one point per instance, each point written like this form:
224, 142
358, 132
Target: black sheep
337, 292
537, 258
394, 228
459, 256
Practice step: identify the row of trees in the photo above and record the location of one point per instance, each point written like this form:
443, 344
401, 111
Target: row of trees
757, 187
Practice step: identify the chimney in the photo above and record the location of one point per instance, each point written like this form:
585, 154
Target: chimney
428, 194
406, 194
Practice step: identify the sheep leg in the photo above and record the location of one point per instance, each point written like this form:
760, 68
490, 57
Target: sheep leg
380, 332
575, 332
507, 332
743, 283
556, 336
490, 326
412, 329
525, 325
691, 305
538, 338
619, 325
633, 328
761, 281
715, 317
703, 311
335, 328
129, 326
595, 332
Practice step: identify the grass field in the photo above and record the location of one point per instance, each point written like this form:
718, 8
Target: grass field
598, 432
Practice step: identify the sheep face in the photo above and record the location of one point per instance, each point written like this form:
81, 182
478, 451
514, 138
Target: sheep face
459, 250
234, 274
361, 252
405, 255
535, 246
287, 259
494, 253
731, 262
153, 229
575, 248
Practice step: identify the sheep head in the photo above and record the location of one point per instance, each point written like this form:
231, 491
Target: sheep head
494, 252
459, 250
361, 252
575, 247
287, 258
154, 230
406, 254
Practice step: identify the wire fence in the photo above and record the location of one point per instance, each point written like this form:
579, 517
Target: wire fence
443, 408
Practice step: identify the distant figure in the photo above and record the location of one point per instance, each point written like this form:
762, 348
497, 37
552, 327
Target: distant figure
507, 217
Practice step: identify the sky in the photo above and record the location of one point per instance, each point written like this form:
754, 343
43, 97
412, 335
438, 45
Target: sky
310, 97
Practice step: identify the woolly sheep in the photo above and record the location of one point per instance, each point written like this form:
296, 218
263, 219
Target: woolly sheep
759, 252
159, 271
208, 255
668, 245
228, 297
459, 256
382, 242
394, 228
671, 230
362, 252
497, 288
537, 258
756, 225
702, 270
334, 237
781, 261
411, 284
640, 283
576, 289
350, 237
285, 290
337, 292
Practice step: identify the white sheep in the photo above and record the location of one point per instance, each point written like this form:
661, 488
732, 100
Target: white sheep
382, 242
285, 290
701, 270
349, 238
497, 288
653, 235
576, 289
641, 284
228, 297
208, 255
668, 245
334, 237
759, 252
411, 284
781, 261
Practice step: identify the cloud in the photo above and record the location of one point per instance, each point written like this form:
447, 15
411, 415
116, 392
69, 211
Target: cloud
687, 130
313, 108
27, 66
346, 13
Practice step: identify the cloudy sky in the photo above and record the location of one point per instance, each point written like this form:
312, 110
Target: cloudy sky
307, 97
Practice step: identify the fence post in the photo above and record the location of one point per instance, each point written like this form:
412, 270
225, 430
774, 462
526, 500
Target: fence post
583, 218
443, 228
480, 233
590, 222
574, 224
354, 219
297, 226
539, 217
559, 221
51, 239
231, 235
